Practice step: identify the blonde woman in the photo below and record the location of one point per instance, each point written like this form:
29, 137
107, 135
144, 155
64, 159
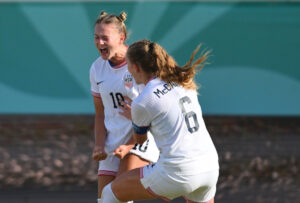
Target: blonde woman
110, 85
168, 107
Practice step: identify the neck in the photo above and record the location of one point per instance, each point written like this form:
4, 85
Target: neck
119, 57
149, 78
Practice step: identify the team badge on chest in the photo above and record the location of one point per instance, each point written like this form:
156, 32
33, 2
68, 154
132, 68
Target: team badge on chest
128, 80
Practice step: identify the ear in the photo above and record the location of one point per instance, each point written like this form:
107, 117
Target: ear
122, 37
136, 68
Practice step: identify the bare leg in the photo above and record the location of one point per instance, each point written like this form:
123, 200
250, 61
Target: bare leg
131, 161
102, 182
128, 187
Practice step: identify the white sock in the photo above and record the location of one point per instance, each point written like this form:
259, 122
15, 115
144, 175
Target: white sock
99, 200
108, 196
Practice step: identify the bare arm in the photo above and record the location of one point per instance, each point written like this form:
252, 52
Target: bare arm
136, 138
140, 138
122, 150
99, 130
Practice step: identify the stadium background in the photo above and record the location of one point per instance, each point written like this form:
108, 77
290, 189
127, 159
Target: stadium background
250, 93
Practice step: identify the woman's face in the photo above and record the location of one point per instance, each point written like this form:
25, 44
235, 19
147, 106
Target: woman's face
108, 40
133, 71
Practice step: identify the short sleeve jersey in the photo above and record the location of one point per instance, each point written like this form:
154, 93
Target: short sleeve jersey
174, 117
112, 84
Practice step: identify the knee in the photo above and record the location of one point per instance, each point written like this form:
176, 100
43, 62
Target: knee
118, 192
108, 195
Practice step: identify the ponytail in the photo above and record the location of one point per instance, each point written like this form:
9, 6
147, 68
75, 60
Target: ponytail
154, 59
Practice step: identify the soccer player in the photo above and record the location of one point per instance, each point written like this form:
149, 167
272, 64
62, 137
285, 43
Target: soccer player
110, 85
168, 106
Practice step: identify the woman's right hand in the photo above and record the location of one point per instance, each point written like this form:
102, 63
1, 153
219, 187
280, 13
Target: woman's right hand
126, 108
99, 153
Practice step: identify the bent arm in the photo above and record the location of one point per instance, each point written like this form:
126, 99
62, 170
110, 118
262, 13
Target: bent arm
139, 133
140, 123
140, 138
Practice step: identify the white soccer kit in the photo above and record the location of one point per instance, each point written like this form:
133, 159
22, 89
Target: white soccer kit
112, 84
174, 117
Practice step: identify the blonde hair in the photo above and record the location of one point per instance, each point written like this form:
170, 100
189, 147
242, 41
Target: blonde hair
154, 59
116, 20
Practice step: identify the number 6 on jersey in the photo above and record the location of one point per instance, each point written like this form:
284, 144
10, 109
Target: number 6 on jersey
189, 115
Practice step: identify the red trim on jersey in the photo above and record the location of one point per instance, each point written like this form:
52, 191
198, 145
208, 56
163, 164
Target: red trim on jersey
106, 173
95, 94
209, 201
165, 199
119, 65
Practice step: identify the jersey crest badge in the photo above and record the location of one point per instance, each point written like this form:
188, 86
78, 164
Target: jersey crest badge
128, 80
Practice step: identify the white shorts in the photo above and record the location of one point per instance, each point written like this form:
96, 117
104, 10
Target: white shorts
168, 185
148, 151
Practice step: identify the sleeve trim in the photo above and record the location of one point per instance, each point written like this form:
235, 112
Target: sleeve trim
140, 130
95, 94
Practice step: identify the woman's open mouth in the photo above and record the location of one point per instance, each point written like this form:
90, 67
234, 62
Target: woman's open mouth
104, 52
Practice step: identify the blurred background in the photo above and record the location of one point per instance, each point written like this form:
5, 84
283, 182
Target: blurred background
250, 92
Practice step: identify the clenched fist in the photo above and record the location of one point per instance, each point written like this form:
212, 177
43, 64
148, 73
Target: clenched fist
99, 153
121, 151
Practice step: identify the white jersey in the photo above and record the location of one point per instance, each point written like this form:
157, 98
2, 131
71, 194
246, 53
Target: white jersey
112, 84
174, 117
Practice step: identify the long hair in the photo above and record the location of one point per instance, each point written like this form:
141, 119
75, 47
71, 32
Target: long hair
154, 59
116, 20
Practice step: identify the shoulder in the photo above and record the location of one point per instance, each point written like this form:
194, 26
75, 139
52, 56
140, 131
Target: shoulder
98, 63
147, 97
192, 94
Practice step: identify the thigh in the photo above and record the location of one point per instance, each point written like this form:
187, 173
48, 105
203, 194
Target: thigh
102, 182
131, 161
127, 187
